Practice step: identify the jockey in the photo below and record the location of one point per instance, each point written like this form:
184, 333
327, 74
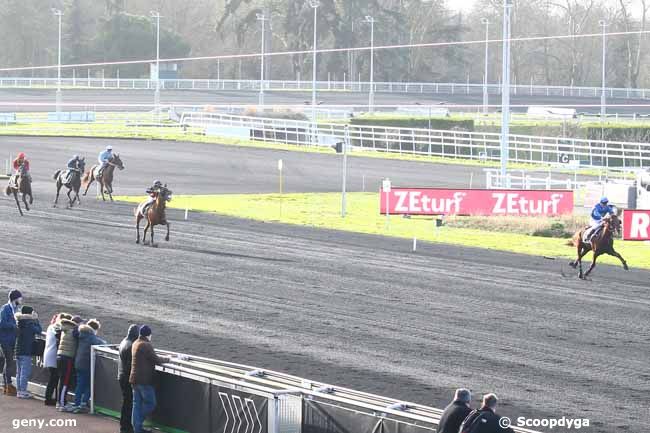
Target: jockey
73, 165
104, 157
153, 191
21, 161
599, 212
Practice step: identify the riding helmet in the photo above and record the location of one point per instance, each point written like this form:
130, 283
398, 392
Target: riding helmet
109, 147
21, 155
604, 200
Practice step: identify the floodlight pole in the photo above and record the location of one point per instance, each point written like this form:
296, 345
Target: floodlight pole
505, 92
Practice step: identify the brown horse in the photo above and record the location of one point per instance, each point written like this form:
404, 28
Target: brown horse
105, 180
602, 243
155, 215
20, 183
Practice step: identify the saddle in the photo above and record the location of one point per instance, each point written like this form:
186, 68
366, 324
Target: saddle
589, 233
68, 176
143, 208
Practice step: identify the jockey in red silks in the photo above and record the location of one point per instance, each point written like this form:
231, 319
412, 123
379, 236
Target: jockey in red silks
21, 161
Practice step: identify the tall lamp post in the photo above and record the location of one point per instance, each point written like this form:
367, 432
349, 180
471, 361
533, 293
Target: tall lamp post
603, 94
263, 19
156, 96
371, 93
59, 14
505, 92
486, 98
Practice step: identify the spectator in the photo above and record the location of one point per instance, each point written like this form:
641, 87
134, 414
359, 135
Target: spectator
485, 419
123, 373
455, 412
87, 338
52, 336
144, 361
65, 360
8, 329
28, 328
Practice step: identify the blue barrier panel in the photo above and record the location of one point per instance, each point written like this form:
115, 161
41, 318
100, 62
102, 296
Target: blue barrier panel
7, 117
71, 116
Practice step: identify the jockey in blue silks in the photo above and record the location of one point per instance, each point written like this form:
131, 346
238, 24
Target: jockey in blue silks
600, 211
104, 158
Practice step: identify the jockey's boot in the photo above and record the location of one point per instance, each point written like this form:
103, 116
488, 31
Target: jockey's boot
11, 390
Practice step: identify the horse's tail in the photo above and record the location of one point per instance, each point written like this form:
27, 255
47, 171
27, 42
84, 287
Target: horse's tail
56, 174
8, 190
575, 240
86, 177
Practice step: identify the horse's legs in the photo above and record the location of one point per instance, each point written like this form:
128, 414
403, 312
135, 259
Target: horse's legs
58, 190
144, 235
581, 254
18, 202
25, 201
70, 201
101, 187
167, 237
138, 218
575, 263
152, 244
91, 178
593, 264
613, 252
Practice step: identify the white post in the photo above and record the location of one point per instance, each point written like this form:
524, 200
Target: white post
505, 89
346, 143
371, 92
485, 74
262, 17
59, 14
156, 98
603, 95
314, 5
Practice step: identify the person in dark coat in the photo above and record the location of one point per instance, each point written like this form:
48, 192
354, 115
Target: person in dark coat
28, 328
8, 330
456, 412
143, 366
485, 419
123, 374
87, 337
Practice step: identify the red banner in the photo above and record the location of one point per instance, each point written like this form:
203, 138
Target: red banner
434, 201
636, 225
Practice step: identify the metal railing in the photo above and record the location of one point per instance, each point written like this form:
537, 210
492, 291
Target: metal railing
481, 146
329, 85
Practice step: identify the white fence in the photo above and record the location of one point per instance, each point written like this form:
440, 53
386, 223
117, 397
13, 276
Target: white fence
292, 85
425, 142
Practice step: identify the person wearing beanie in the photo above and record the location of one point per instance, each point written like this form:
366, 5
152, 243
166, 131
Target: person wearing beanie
8, 329
123, 374
65, 355
143, 366
87, 338
28, 329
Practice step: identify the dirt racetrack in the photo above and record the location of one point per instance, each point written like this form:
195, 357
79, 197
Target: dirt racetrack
354, 310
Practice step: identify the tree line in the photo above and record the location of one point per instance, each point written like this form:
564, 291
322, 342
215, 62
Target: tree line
112, 30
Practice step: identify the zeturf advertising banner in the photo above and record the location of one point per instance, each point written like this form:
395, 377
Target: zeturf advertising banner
438, 201
636, 225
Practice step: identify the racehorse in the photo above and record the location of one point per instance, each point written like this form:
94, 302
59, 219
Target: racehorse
106, 178
155, 215
74, 184
20, 184
602, 243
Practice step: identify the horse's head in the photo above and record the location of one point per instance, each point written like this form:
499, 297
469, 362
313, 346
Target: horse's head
116, 161
613, 222
81, 164
22, 170
165, 193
